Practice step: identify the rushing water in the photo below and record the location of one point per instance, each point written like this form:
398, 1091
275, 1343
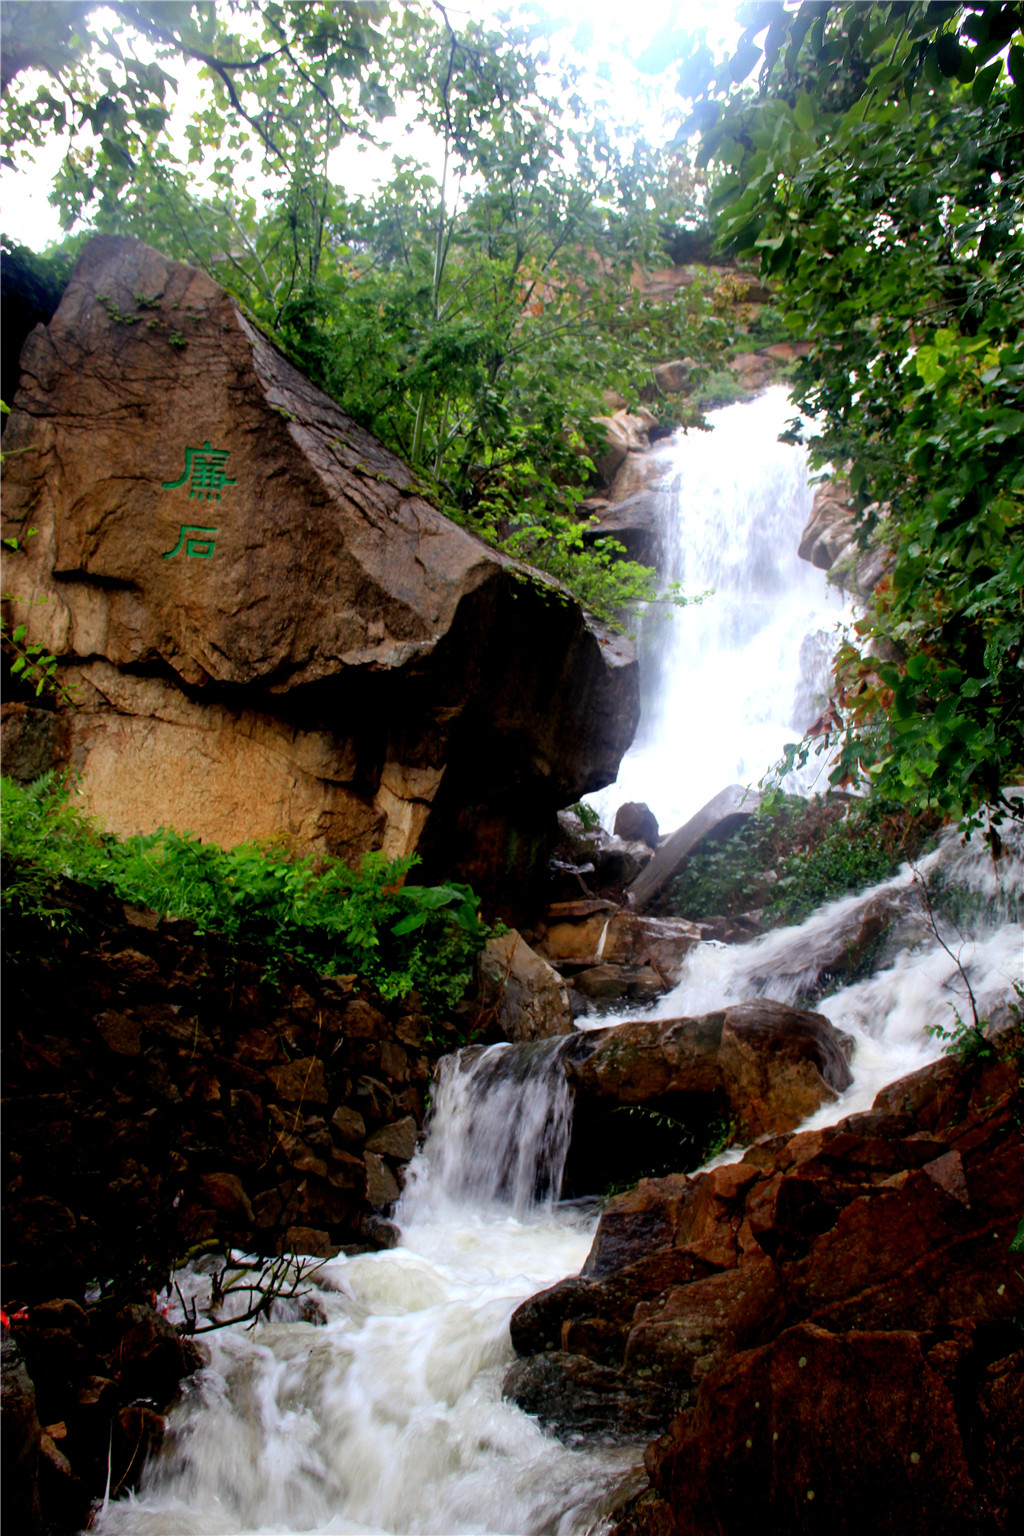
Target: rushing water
970, 942
725, 684
386, 1415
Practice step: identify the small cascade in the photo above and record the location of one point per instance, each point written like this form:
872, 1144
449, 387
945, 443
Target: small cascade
920, 970
499, 1133
387, 1419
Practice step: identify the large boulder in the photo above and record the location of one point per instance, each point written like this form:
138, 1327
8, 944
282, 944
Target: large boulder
271, 631
773, 1064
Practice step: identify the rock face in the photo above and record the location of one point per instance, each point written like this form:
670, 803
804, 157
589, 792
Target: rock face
273, 633
829, 528
831, 1316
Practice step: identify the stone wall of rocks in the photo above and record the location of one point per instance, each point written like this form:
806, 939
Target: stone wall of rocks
162, 1091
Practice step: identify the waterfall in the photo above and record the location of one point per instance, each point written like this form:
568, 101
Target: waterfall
499, 1131
388, 1416
725, 684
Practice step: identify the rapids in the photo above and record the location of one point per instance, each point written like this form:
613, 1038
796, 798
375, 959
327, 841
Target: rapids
384, 1415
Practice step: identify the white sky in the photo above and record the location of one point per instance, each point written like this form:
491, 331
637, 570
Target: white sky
619, 36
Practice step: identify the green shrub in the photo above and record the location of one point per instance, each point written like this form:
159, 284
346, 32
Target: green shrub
796, 855
367, 921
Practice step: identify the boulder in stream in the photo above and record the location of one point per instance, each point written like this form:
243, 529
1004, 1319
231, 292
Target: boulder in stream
773, 1064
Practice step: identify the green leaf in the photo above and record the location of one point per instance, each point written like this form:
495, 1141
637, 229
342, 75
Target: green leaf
804, 113
984, 83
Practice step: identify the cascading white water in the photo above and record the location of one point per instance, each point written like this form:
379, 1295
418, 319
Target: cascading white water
922, 972
724, 685
502, 1119
388, 1417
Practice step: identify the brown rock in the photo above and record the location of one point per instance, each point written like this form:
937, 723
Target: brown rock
773, 1063
381, 1185
308, 1240
348, 1125
636, 822
248, 541
889, 1230
830, 526
397, 1140
843, 1434
301, 1081
224, 1192
525, 996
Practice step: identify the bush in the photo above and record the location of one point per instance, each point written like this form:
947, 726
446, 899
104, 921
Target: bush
369, 922
796, 855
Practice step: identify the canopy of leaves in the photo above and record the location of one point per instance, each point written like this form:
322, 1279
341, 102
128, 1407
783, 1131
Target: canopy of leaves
878, 175
472, 319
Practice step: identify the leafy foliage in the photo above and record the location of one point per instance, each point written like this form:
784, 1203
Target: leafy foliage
369, 922
798, 854
878, 176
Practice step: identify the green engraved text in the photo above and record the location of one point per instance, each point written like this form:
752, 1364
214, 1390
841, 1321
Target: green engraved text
196, 542
204, 472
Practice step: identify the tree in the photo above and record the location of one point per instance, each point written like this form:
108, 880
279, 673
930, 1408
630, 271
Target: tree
470, 321
877, 173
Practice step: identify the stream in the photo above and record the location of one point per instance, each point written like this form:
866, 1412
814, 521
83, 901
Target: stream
374, 1404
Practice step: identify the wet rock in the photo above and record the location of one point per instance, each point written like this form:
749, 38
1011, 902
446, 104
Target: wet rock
149, 1356
773, 1064
381, 1186
608, 983
842, 1296
586, 934
848, 1434
521, 992
397, 1140
308, 1240
714, 821
584, 1403
636, 822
